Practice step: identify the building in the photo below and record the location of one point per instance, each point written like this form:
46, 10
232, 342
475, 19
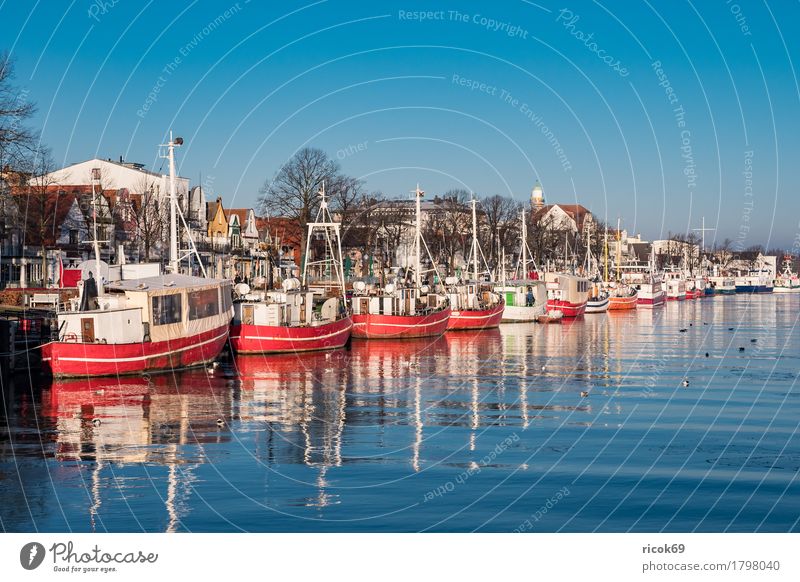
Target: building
573, 218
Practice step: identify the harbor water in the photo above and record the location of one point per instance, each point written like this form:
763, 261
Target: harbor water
474, 431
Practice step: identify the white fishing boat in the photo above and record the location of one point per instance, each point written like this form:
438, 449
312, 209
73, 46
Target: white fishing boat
787, 281
525, 298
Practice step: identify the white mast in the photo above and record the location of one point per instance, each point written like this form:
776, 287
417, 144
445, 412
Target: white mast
475, 239
174, 260
524, 246
418, 194
703, 230
96, 243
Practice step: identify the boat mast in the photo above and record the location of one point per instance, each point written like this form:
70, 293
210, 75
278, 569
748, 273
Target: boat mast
96, 243
619, 249
605, 255
475, 239
524, 246
417, 247
173, 204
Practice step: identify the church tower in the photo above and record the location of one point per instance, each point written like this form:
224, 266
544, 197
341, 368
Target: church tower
537, 197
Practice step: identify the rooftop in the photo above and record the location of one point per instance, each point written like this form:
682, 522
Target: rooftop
163, 282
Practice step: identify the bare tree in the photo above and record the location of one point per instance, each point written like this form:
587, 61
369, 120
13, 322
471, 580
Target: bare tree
292, 192
17, 142
150, 217
499, 227
39, 203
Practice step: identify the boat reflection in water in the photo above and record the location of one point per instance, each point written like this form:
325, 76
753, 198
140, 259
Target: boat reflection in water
467, 431
114, 422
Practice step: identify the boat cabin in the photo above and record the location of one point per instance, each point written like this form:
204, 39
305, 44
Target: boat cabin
565, 287
394, 301
161, 308
524, 293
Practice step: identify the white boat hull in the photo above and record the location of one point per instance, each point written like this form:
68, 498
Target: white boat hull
522, 314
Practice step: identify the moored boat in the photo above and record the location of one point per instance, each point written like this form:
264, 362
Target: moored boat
787, 281
474, 305
567, 293
297, 318
722, 285
400, 311
648, 286
525, 300
145, 324
675, 284
598, 301
622, 297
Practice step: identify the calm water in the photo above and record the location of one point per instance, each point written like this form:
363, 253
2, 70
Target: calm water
473, 431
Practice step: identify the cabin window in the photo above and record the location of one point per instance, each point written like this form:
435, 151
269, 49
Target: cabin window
167, 309
227, 300
203, 303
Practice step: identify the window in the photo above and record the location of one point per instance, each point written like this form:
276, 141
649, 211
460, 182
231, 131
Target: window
73, 237
167, 309
227, 298
203, 303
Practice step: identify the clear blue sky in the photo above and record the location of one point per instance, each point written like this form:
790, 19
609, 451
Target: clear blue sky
570, 96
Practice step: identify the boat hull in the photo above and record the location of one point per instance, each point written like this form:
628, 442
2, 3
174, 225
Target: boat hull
476, 318
567, 308
782, 289
281, 339
370, 326
73, 359
622, 303
522, 313
654, 301
754, 289
597, 306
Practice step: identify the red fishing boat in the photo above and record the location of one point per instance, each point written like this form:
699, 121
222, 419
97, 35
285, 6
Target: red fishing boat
398, 310
567, 293
474, 304
151, 324
143, 324
298, 317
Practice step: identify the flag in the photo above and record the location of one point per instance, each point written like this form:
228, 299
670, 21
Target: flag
60, 271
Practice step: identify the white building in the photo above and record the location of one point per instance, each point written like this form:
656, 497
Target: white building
113, 175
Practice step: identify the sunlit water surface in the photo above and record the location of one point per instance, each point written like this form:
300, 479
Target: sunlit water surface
474, 431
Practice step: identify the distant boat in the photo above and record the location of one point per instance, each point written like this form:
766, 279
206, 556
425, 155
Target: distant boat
623, 297
675, 283
473, 303
722, 285
598, 301
787, 281
297, 318
755, 282
397, 311
525, 300
567, 293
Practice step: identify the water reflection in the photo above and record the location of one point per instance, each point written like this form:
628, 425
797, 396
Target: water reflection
318, 432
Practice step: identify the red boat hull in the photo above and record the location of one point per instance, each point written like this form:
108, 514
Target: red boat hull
620, 303
69, 359
281, 339
652, 302
476, 318
676, 297
693, 294
567, 308
368, 326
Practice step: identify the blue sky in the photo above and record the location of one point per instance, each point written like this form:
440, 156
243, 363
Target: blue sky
484, 96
